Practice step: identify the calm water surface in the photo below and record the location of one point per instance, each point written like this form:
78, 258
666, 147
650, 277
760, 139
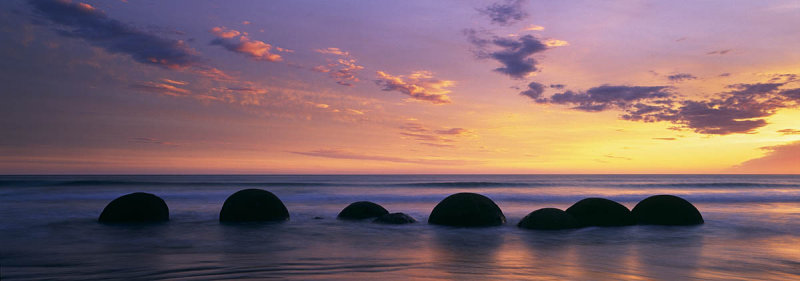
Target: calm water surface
48, 230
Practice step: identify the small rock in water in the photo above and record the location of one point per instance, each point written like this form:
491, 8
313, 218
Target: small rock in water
362, 210
395, 218
549, 219
250, 205
601, 212
467, 209
136, 207
666, 210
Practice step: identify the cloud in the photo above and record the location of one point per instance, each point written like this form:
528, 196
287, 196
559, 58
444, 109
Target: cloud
424, 137
513, 53
742, 109
333, 51
452, 131
534, 91
533, 27
343, 69
555, 43
432, 137
150, 141
175, 82
791, 94
440, 145
80, 20
789, 132
505, 12
225, 33
558, 86
419, 85
255, 49
161, 88
719, 52
608, 97
343, 154
780, 159
617, 157
667, 139
739, 111
680, 77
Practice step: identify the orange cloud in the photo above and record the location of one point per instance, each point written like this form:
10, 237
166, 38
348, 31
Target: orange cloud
555, 43
343, 70
174, 82
256, 49
533, 27
431, 137
223, 32
781, 159
789, 132
161, 88
419, 85
333, 51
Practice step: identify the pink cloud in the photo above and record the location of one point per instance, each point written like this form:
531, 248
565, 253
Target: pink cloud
780, 159
431, 137
258, 50
343, 69
419, 85
333, 51
223, 32
161, 88
452, 131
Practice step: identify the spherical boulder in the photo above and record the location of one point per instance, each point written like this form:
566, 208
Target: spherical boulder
467, 209
601, 212
666, 210
549, 219
395, 218
135, 207
362, 210
253, 205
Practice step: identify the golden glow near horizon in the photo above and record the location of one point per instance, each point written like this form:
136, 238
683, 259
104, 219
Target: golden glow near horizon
400, 88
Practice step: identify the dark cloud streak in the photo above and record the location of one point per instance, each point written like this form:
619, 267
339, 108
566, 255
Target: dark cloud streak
680, 77
515, 54
505, 13
83, 21
739, 111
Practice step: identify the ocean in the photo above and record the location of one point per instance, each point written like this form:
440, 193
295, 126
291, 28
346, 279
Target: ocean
49, 230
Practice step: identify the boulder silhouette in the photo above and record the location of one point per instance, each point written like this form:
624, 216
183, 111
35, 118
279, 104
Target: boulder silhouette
467, 209
362, 210
666, 210
549, 219
601, 212
395, 218
135, 207
251, 205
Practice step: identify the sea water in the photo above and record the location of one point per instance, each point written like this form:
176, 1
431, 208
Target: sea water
49, 230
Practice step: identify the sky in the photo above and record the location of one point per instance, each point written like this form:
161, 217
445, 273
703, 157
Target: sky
387, 87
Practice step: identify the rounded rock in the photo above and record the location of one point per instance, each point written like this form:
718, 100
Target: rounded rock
253, 205
395, 218
666, 210
362, 210
136, 207
467, 209
549, 219
601, 212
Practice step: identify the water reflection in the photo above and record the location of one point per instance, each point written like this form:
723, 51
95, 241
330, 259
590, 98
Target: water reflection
669, 252
614, 253
464, 253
